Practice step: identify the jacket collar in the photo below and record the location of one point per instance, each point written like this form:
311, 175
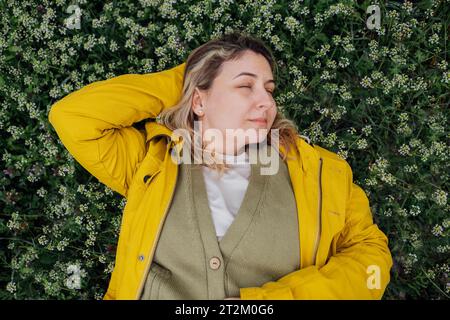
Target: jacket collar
154, 129
308, 156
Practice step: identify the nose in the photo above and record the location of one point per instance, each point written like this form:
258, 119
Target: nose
265, 99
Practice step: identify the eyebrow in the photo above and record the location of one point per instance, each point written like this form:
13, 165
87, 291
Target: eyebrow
252, 75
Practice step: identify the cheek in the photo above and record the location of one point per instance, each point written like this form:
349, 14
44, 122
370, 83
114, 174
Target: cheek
273, 114
228, 116
227, 104
235, 113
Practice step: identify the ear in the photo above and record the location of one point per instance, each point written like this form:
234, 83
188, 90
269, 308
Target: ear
197, 101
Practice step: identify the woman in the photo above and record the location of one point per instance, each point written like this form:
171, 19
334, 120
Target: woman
216, 229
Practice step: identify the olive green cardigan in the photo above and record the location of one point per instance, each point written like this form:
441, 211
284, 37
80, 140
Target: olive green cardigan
189, 261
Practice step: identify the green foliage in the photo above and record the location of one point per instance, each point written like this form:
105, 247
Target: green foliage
379, 98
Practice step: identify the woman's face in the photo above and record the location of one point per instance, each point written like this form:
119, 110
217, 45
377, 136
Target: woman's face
240, 96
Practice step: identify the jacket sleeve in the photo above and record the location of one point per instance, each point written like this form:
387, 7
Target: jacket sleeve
95, 122
360, 269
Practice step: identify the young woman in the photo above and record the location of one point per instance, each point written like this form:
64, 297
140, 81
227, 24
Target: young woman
219, 228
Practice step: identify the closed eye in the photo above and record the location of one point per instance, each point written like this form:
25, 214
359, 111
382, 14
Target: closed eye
271, 92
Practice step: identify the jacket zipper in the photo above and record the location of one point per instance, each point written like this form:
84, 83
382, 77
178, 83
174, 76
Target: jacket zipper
319, 215
152, 251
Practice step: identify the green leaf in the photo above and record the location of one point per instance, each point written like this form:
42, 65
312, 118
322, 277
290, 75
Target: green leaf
13, 49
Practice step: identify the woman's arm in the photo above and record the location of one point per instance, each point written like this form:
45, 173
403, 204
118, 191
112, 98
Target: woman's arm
95, 122
362, 253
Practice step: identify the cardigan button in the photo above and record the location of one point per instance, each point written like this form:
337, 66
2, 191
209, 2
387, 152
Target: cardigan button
214, 263
141, 257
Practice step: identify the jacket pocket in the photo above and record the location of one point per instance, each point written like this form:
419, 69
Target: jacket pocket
156, 277
141, 181
149, 177
146, 171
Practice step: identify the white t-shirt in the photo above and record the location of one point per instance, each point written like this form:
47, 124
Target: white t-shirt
226, 193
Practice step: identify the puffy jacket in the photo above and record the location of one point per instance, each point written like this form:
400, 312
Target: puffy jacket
343, 254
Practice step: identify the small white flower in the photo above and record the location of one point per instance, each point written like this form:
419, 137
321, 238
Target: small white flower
42, 240
367, 130
437, 230
443, 249
443, 65
434, 39
324, 49
343, 154
414, 211
361, 144
102, 258
404, 150
11, 287
402, 212
73, 282
366, 82
317, 64
440, 197
83, 207
344, 62
73, 268
446, 77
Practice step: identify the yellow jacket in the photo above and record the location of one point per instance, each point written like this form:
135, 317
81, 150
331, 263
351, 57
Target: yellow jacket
343, 253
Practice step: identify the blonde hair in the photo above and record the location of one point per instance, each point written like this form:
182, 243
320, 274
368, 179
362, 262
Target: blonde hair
202, 67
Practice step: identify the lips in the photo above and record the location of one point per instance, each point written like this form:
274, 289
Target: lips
262, 121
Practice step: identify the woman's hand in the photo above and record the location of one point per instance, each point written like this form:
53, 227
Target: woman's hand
232, 298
